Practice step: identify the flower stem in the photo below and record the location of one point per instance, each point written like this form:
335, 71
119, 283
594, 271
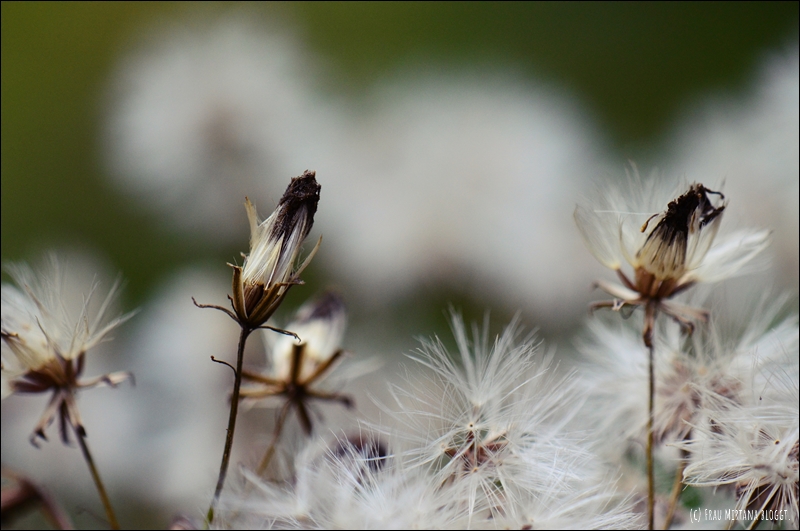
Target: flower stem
262, 466
87, 455
676, 491
226, 454
651, 495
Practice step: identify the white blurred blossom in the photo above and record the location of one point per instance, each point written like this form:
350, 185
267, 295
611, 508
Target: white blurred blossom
464, 182
202, 114
320, 324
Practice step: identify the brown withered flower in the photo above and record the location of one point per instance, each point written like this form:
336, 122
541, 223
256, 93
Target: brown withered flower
262, 282
669, 253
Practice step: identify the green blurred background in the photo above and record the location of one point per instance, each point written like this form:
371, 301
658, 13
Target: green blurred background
632, 65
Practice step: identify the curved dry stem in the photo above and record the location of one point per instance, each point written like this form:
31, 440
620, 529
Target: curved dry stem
101, 490
216, 307
268, 455
675, 496
280, 331
223, 362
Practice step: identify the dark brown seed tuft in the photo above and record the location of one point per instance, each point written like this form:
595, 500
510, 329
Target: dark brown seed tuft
675, 226
298, 205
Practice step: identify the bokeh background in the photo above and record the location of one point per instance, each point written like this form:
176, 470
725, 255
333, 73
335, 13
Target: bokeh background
451, 141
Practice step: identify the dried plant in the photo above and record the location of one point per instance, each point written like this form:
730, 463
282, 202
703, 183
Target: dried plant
45, 341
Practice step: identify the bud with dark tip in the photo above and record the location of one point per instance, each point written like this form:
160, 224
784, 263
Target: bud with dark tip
260, 285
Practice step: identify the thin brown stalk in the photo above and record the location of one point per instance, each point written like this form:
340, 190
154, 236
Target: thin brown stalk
651, 495
112, 518
677, 488
226, 454
265, 461
270, 452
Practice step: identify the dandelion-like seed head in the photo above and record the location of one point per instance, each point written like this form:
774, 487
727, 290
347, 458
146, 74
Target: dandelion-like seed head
669, 253
346, 487
715, 362
260, 285
45, 339
754, 448
490, 425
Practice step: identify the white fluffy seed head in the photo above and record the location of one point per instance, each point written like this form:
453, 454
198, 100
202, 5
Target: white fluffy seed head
612, 231
752, 446
491, 424
50, 313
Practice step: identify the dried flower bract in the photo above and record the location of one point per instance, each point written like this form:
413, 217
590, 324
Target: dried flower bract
268, 272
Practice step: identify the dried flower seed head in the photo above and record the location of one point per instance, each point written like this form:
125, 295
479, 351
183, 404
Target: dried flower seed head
670, 252
674, 245
299, 366
269, 270
719, 360
45, 340
753, 448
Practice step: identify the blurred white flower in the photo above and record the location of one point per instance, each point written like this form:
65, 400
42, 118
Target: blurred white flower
752, 143
297, 366
466, 181
669, 252
46, 332
205, 112
320, 324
